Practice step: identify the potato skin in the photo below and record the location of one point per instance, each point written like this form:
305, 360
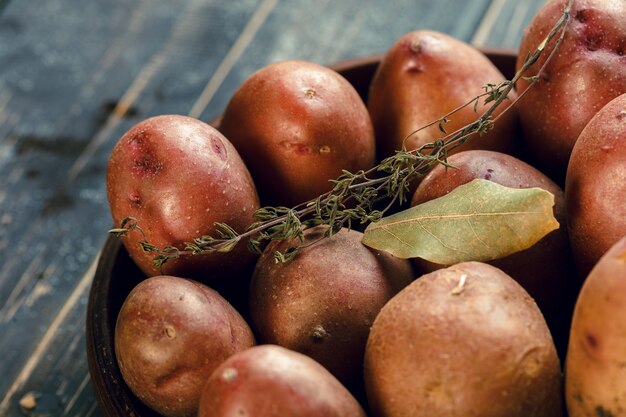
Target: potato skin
323, 303
595, 376
585, 74
178, 176
425, 75
271, 381
544, 270
440, 348
595, 189
170, 334
297, 125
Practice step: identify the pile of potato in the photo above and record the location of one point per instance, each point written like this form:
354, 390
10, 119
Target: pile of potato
344, 330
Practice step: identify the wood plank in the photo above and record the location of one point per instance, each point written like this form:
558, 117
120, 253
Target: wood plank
57, 381
506, 27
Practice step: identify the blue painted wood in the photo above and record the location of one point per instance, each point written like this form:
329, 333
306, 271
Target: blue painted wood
512, 17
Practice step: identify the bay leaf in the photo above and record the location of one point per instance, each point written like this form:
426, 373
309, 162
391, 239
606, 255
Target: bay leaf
478, 221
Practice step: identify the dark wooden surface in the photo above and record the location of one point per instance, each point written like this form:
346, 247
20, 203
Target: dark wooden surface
75, 75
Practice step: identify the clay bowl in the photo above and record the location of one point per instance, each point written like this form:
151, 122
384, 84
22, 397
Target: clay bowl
116, 275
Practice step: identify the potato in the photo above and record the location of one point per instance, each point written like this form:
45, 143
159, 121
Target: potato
269, 380
544, 270
425, 75
595, 188
170, 334
297, 125
461, 341
178, 176
595, 377
585, 74
323, 302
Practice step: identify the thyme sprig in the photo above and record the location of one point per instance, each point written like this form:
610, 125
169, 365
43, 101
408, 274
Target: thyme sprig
356, 196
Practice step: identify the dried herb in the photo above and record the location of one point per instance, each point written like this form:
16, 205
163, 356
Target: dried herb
480, 220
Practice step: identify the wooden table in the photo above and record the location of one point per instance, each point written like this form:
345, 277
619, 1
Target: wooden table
75, 75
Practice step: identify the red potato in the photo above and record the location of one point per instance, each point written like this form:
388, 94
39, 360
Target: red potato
595, 188
178, 176
297, 125
271, 381
425, 75
595, 373
544, 270
462, 341
323, 303
585, 74
171, 333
